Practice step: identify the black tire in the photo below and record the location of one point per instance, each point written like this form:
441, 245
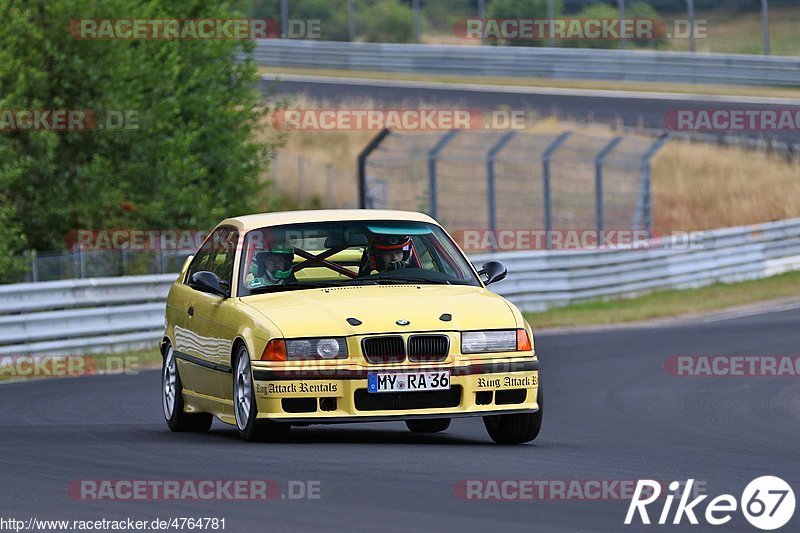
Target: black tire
517, 428
253, 430
177, 418
428, 425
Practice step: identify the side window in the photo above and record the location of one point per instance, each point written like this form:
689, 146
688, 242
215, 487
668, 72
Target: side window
221, 261
217, 255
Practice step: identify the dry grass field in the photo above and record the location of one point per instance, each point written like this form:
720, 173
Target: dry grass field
695, 185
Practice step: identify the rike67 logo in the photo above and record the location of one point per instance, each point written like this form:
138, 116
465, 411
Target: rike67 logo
767, 503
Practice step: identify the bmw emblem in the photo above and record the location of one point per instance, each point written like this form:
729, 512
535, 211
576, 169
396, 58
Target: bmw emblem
402, 322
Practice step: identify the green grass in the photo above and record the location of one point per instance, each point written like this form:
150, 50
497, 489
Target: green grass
87, 365
669, 303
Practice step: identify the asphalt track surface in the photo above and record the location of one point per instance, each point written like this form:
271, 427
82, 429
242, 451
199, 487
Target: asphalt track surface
608, 107
612, 413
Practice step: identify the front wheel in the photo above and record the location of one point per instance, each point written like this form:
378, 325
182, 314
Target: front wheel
172, 399
517, 428
428, 425
245, 407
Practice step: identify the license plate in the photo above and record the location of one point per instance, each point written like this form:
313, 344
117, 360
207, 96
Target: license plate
408, 381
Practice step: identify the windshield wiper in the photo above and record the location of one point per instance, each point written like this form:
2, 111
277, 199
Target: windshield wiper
298, 285
412, 279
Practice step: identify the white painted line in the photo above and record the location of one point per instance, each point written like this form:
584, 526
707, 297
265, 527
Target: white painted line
517, 89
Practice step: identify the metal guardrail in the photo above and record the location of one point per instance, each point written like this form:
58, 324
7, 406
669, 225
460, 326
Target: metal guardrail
83, 315
534, 62
542, 279
112, 314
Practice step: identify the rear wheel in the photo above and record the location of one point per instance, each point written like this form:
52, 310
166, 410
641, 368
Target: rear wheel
244, 404
428, 425
517, 428
172, 399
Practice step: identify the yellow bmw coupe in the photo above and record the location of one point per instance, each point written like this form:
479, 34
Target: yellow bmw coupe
315, 317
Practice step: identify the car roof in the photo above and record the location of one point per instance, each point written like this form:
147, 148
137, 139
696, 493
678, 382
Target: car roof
248, 222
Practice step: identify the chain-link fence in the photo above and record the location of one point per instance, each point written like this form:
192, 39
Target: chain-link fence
495, 181
719, 26
79, 264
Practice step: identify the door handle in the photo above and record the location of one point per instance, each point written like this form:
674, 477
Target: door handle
190, 310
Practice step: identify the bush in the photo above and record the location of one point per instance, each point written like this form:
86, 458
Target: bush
12, 243
386, 21
523, 9
636, 10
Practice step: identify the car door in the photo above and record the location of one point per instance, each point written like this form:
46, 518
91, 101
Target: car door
214, 318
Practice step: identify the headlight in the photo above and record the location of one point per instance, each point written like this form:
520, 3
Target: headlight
325, 348
488, 341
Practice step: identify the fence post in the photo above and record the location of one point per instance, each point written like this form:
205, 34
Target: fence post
598, 184
362, 166
35, 266
547, 155
644, 209
490, 192
81, 261
415, 9
765, 25
284, 19
301, 171
622, 43
433, 155
329, 185
690, 13
551, 41
351, 19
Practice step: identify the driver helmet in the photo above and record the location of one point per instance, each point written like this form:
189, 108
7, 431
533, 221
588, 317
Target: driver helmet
276, 262
390, 252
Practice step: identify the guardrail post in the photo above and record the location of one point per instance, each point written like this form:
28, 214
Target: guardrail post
546, 157
490, 192
598, 184
433, 155
644, 209
362, 166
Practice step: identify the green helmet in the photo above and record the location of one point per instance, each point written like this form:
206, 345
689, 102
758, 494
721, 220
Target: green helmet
282, 251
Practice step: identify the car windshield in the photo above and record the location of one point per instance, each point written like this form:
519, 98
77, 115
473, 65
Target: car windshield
326, 254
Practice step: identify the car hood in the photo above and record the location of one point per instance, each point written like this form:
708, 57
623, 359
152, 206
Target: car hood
324, 312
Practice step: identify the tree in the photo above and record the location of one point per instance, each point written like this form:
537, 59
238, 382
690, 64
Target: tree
193, 159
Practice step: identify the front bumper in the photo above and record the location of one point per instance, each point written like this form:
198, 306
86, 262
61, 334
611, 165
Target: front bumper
336, 395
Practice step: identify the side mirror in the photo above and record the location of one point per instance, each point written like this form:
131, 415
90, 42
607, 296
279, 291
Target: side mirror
205, 281
494, 271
